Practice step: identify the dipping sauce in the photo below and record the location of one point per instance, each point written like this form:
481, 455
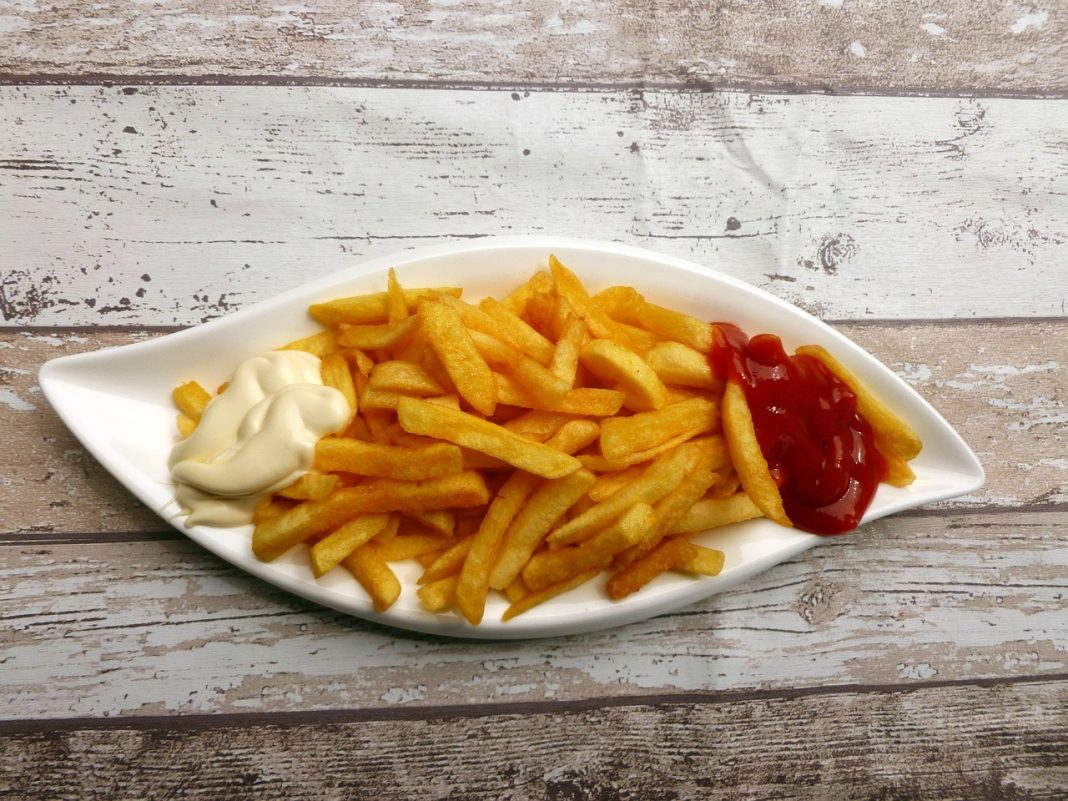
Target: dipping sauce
820, 451
255, 438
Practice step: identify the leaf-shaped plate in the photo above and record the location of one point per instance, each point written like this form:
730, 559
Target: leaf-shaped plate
117, 402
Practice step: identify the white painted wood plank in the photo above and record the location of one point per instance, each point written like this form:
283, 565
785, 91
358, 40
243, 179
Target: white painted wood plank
172, 205
1003, 386
162, 627
886, 46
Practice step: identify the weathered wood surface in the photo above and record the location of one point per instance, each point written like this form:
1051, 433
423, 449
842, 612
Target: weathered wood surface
850, 45
1004, 386
986, 742
169, 205
924, 657
158, 626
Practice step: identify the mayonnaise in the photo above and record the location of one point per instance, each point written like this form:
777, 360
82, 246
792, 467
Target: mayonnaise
257, 437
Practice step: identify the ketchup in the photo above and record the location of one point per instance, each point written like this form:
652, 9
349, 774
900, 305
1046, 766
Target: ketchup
820, 451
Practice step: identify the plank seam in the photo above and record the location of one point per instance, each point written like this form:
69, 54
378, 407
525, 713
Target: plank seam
335, 717
897, 322
694, 86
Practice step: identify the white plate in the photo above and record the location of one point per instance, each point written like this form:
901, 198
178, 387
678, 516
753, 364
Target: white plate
117, 402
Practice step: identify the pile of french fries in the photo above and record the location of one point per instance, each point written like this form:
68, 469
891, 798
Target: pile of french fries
521, 446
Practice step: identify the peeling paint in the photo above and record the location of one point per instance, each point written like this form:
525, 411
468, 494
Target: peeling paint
1028, 21
12, 401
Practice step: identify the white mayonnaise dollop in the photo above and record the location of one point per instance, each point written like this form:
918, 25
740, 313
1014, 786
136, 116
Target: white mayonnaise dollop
256, 437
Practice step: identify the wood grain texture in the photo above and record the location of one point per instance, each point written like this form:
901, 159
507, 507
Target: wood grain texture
1002, 385
826, 45
161, 627
1003, 742
169, 205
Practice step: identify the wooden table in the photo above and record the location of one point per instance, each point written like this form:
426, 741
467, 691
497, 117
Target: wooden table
900, 172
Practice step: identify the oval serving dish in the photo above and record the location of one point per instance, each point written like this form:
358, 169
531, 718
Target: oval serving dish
118, 403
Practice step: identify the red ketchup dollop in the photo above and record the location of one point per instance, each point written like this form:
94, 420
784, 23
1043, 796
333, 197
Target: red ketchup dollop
819, 449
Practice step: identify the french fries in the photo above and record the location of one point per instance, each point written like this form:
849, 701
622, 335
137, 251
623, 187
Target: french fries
522, 447
748, 460
461, 428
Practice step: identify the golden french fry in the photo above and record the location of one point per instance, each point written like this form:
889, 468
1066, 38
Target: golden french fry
387, 461
720, 458
428, 558
532, 599
540, 313
670, 509
396, 303
642, 341
620, 302
420, 417
362, 363
516, 302
680, 394
336, 373
550, 567
898, 472
748, 459
371, 570
626, 370
676, 326
608, 484
537, 380
600, 324
683, 366
269, 507
273, 538
442, 521
390, 530
439, 595
545, 506
191, 399
321, 344
564, 362
473, 460
728, 484
376, 400
369, 309
377, 336
516, 590
452, 344
407, 546
574, 435
511, 327
186, 425
667, 555
449, 562
706, 562
888, 427
584, 401
473, 586
538, 424
710, 513
310, 487
503, 325
660, 478
328, 552
406, 378
622, 436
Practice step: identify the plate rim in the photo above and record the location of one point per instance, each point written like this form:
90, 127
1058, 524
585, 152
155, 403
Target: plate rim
452, 625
